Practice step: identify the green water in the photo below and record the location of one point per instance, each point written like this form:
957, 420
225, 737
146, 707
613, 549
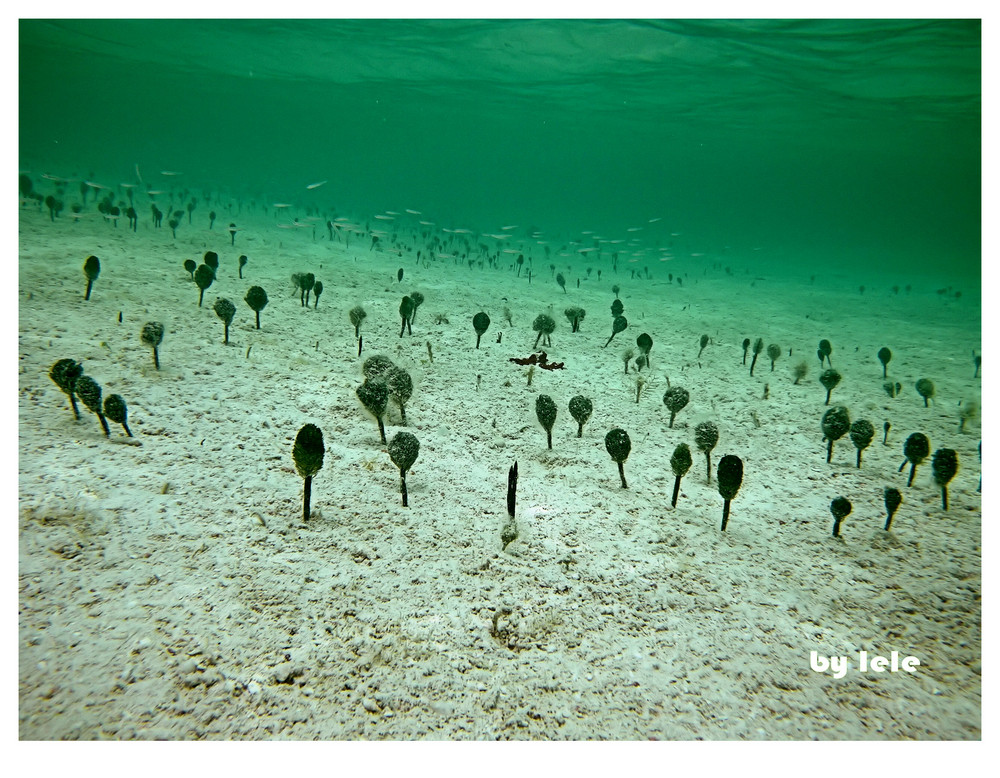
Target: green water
856, 143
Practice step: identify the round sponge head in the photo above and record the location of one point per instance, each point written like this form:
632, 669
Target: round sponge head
618, 444
403, 450
308, 450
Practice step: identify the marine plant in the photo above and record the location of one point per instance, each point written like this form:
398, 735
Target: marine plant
925, 388
829, 378
357, 315
969, 410
64, 374
702, 342
618, 325
773, 352
256, 298
706, 435
824, 351
307, 453
377, 366
317, 291
627, 355
619, 445
580, 409
680, 463
729, 478
212, 260
417, 299
90, 392
799, 371
758, 347
893, 499
944, 465
575, 314
152, 336
374, 396
481, 323
509, 532
243, 264
746, 347
840, 508
675, 398
862, 431
544, 325
225, 310
400, 387
91, 269
884, 355
617, 308
403, 450
645, 344
916, 449
977, 360
545, 409
190, 265
561, 280
116, 410
405, 312
203, 277
836, 423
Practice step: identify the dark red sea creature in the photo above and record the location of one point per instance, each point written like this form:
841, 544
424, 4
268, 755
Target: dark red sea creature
540, 359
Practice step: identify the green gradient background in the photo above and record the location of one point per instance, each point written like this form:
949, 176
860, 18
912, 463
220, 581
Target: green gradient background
853, 142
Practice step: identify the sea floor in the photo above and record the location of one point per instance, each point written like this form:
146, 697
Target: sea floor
171, 589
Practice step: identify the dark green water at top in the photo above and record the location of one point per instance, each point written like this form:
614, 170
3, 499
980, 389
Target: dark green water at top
850, 142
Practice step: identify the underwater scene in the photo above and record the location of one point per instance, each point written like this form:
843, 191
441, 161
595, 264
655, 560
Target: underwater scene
310, 448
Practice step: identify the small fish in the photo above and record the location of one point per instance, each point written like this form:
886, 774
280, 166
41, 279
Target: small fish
282, 205
415, 213
462, 232
393, 213
427, 224
317, 185
154, 192
633, 229
169, 173
653, 221
385, 218
50, 177
509, 227
127, 186
94, 185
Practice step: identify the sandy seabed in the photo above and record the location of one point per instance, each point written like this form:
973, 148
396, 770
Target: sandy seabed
170, 588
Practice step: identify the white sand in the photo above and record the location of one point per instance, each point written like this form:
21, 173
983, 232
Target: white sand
172, 589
